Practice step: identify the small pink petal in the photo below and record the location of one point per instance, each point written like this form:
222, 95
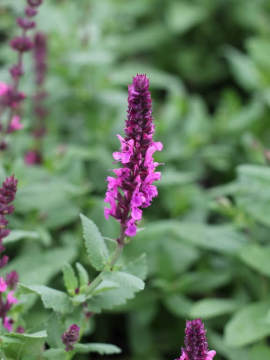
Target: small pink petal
11, 299
210, 355
3, 285
15, 124
3, 88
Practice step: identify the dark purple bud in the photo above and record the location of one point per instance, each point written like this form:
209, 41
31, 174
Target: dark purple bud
34, 3
8, 190
40, 132
3, 261
25, 23
33, 157
20, 330
16, 71
30, 12
21, 43
12, 279
3, 145
71, 336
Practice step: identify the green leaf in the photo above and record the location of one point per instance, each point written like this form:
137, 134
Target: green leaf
260, 352
102, 349
55, 354
208, 308
70, 279
257, 257
83, 276
16, 235
28, 346
36, 265
51, 298
55, 328
254, 191
222, 238
244, 69
127, 284
95, 246
178, 305
138, 267
183, 16
248, 325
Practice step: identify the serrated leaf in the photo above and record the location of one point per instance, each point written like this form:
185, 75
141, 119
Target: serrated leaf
208, 308
95, 245
70, 279
51, 298
83, 275
138, 267
102, 349
29, 346
248, 325
128, 285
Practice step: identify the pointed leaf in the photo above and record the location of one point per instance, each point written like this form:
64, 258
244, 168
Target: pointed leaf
95, 245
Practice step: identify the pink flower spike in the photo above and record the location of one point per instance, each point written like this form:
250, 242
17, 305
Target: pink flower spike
3, 285
15, 124
11, 299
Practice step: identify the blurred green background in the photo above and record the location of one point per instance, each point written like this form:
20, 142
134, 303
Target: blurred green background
206, 236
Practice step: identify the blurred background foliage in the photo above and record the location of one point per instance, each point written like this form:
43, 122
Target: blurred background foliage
206, 236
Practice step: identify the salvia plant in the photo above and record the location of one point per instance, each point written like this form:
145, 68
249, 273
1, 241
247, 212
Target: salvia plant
168, 234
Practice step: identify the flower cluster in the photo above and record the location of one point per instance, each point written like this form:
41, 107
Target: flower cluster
71, 336
10, 96
7, 299
34, 156
132, 189
196, 346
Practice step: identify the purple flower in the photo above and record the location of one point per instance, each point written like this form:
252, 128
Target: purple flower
71, 336
196, 346
16, 71
25, 23
21, 43
132, 189
30, 12
33, 157
34, 3
40, 56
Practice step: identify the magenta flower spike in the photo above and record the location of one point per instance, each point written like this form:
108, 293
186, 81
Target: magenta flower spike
7, 299
71, 336
196, 346
132, 189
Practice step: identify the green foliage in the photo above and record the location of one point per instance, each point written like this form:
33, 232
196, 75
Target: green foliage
95, 246
203, 246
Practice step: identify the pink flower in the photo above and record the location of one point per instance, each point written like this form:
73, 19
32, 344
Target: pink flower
8, 324
32, 157
11, 299
3, 285
15, 124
